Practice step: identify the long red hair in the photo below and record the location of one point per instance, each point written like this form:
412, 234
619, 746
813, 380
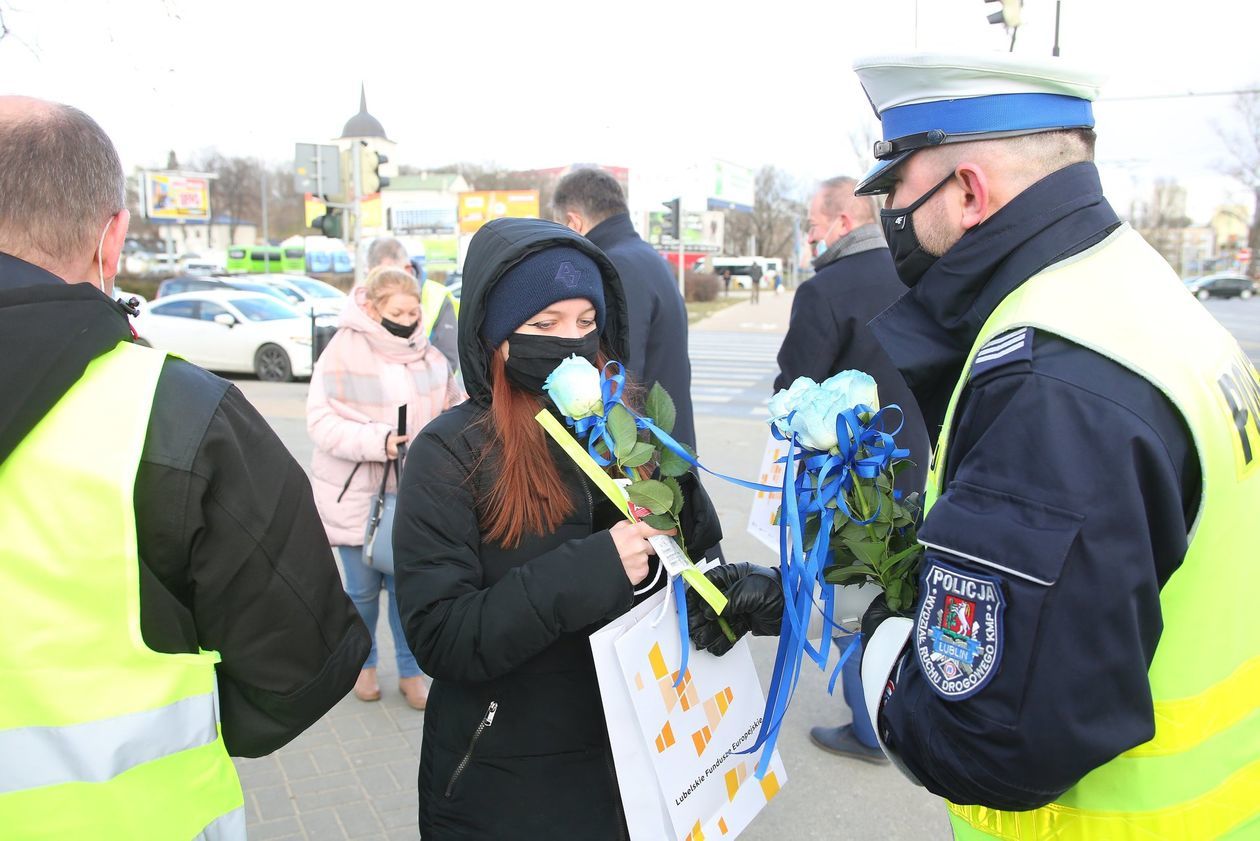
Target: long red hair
528, 494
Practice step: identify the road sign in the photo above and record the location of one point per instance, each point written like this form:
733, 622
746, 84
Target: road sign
1244, 255
316, 169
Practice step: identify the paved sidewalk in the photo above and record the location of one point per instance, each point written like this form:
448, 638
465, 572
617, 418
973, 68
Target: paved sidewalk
770, 315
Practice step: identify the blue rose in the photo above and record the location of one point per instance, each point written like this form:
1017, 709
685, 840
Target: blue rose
787, 400
574, 387
858, 389
814, 423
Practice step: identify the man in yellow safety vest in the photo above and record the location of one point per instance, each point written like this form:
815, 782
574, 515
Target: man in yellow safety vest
168, 598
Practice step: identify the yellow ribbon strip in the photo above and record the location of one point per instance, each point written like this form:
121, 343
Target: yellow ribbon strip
703, 586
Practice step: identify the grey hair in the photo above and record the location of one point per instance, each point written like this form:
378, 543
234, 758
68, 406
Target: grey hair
385, 248
837, 194
593, 192
60, 179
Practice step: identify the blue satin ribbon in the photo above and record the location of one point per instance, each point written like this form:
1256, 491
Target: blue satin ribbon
680, 602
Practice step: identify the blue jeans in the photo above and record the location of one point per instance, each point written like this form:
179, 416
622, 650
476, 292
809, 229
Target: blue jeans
363, 586
851, 676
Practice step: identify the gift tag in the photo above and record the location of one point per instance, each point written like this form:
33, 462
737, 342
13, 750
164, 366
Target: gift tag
670, 553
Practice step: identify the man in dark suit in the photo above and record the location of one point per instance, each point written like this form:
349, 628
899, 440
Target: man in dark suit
855, 281
590, 202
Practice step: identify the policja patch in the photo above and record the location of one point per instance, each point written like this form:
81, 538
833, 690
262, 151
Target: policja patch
958, 632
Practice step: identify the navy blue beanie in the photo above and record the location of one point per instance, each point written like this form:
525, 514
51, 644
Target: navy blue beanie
537, 282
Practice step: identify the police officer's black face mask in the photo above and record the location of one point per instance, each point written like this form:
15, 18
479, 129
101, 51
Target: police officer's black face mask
911, 260
532, 358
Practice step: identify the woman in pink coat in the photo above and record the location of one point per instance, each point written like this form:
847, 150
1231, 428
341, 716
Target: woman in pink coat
378, 360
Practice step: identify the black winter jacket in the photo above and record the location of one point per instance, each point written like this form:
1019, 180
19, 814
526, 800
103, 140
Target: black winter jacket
515, 743
658, 350
232, 554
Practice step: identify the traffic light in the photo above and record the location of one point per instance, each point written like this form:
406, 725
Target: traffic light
1009, 13
370, 170
670, 221
330, 224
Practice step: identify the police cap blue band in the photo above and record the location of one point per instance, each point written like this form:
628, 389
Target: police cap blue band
986, 114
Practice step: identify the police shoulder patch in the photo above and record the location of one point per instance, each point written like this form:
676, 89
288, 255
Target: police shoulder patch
958, 632
1008, 348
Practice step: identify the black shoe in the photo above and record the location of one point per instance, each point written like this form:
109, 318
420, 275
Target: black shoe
841, 741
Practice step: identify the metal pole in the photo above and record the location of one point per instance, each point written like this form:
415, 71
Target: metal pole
682, 264
358, 212
266, 230
1058, 7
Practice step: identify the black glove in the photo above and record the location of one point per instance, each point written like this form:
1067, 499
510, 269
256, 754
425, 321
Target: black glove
876, 612
754, 597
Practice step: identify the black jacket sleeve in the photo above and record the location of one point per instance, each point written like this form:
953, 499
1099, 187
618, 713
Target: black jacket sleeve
1071, 494
235, 560
813, 342
458, 626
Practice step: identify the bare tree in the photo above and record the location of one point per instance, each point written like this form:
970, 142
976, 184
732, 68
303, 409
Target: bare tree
237, 192
1242, 142
1162, 220
771, 224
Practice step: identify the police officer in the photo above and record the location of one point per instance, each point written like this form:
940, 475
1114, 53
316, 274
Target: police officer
1078, 663
168, 598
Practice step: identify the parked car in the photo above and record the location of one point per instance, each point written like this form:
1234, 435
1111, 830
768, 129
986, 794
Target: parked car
1221, 286
230, 330
304, 303
307, 294
201, 264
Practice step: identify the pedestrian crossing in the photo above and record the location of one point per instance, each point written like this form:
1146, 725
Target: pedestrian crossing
732, 374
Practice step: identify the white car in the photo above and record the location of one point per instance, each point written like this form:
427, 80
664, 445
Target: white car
230, 330
306, 294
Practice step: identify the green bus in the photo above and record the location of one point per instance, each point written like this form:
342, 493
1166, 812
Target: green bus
266, 259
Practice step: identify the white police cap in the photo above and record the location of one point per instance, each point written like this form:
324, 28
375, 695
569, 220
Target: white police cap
926, 99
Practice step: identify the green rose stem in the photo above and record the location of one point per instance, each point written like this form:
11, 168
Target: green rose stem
631, 474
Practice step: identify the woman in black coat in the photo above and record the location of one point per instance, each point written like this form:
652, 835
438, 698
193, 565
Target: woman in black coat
507, 558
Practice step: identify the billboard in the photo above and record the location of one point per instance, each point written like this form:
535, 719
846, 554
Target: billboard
479, 207
733, 187
176, 197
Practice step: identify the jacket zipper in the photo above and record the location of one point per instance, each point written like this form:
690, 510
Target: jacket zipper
463, 763
590, 503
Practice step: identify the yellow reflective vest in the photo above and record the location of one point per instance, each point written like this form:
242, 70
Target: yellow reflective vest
100, 736
433, 296
1199, 777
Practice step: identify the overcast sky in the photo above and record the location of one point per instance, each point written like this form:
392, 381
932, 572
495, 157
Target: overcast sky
646, 84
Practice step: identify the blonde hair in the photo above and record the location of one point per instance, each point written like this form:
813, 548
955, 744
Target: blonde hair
384, 281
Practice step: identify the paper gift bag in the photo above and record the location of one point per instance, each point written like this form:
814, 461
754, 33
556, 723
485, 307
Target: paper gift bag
676, 747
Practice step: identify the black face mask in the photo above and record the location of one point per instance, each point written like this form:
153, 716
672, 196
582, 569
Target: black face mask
402, 331
911, 260
531, 358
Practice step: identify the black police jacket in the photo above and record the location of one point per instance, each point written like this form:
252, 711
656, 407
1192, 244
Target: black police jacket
233, 557
1063, 467
515, 744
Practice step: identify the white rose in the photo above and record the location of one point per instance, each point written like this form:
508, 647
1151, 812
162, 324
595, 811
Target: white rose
574, 387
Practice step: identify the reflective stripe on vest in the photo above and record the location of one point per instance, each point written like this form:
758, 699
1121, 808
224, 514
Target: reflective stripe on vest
100, 736
96, 751
1199, 777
